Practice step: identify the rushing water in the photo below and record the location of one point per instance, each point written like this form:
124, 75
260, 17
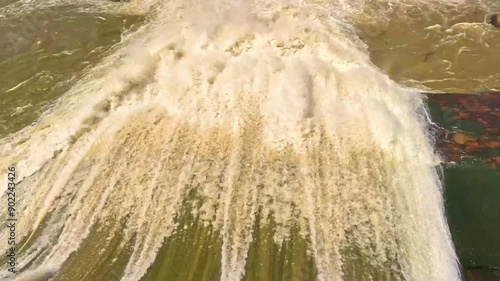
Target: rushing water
231, 140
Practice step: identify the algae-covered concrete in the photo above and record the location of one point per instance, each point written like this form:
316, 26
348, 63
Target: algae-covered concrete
467, 133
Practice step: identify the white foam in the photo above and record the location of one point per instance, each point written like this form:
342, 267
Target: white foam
277, 110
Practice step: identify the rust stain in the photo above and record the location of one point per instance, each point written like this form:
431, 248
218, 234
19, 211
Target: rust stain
456, 144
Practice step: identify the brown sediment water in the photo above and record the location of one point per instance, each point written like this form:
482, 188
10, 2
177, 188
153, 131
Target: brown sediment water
450, 48
44, 52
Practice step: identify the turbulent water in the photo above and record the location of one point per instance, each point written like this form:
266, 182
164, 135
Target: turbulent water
234, 116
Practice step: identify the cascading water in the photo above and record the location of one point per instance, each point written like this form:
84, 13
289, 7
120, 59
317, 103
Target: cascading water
267, 111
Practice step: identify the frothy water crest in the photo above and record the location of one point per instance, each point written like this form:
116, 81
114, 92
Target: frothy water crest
276, 113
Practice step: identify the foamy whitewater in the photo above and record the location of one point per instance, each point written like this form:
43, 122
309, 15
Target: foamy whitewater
268, 108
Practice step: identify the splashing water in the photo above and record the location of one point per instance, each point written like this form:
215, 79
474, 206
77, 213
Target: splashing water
269, 109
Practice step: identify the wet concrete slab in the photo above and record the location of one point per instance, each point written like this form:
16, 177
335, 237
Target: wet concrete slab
482, 275
466, 130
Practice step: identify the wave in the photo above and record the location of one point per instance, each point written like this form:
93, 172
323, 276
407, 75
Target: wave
275, 113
